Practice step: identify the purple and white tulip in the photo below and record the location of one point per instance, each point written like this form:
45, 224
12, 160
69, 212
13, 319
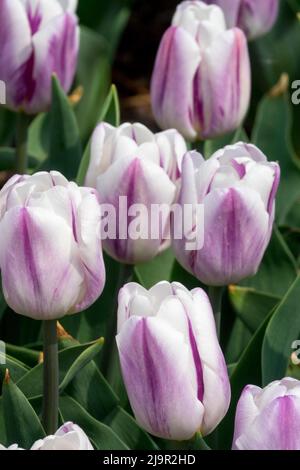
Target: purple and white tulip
237, 187
254, 17
201, 81
68, 437
269, 418
37, 39
50, 251
173, 368
130, 161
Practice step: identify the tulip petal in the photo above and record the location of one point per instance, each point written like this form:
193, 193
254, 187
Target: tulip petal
162, 398
30, 245
172, 81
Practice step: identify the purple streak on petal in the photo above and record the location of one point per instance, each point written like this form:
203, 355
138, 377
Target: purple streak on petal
197, 362
239, 168
28, 251
166, 57
34, 18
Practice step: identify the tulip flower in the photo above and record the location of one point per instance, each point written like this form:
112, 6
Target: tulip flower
254, 17
173, 368
50, 251
37, 38
68, 437
269, 418
201, 79
144, 168
237, 187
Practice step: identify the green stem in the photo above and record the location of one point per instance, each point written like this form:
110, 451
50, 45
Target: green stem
215, 295
125, 274
51, 381
21, 143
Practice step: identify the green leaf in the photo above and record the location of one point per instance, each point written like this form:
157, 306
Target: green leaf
100, 434
283, 329
31, 383
277, 271
81, 361
16, 368
110, 113
127, 429
251, 306
38, 137
21, 422
239, 339
159, 269
64, 148
25, 355
93, 75
247, 371
3, 438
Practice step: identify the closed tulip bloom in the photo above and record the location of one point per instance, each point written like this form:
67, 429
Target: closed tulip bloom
130, 161
254, 17
237, 187
37, 38
68, 437
173, 368
201, 79
269, 418
50, 250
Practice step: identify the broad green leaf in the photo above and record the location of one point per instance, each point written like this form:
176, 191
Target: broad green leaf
282, 331
159, 269
25, 355
93, 75
110, 113
17, 368
251, 306
100, 434
81, 361
277, 271
39, 138
31, 383
21, 422
239, 339
127, 429
3, 438
64, 148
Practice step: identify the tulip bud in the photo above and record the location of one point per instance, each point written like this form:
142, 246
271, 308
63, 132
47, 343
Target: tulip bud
37, 39
201, 79
12, 447
269, 418
237, 187
144, 168
173, 368
254, 17
68, 437
50, 250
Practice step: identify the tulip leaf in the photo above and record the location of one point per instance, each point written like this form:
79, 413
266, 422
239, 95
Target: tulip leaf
127, 429
7, 159
238, 340
110, 113
31, 383
64, 141
277, 271
100, 434
17, 368
251, 306
21, 422
81, 361
3, 438
25, 355
282, 331
93, 75
247, 371
159, 269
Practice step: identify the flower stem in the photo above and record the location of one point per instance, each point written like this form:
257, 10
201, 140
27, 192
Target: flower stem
21, 143
51, 382
215, 295
125, 275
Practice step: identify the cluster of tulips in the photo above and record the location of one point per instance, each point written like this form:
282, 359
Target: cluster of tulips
51, 249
